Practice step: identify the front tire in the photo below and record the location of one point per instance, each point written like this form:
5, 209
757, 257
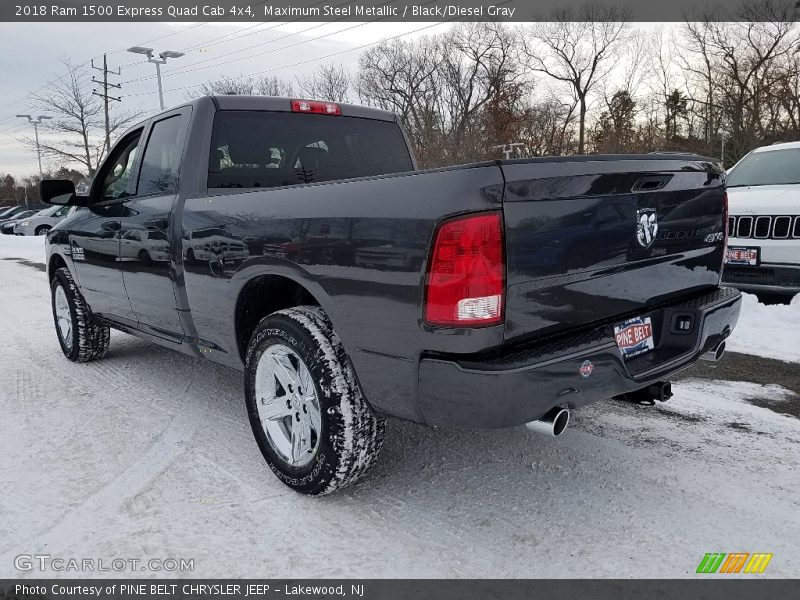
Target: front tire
81, 337
308, 414
41, 230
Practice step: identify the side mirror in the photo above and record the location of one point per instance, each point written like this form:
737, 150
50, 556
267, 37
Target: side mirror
60, 192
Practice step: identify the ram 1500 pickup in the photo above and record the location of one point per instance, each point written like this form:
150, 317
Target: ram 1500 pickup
296, 241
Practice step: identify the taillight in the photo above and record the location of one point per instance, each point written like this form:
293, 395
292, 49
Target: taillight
316, 107
466, 274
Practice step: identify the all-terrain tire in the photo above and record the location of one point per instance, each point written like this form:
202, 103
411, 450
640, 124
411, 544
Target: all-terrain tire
351, 434
87, 339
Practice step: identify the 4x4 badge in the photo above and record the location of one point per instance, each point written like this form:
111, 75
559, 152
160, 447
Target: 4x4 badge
646, 226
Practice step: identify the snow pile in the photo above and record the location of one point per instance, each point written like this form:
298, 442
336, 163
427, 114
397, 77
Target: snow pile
772, 331
24, 247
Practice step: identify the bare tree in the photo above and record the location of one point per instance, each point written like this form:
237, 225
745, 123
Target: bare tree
455, 92
737, 66
482, 77
401, 76
578, 48
273, 86
547, 128
332, 83
77, 120
242, 86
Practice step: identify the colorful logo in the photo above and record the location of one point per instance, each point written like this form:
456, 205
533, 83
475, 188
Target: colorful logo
634, 336
587, 368
735, 562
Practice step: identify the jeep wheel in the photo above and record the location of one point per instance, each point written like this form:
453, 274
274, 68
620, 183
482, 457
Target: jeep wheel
81, 337
144, 257
308, 414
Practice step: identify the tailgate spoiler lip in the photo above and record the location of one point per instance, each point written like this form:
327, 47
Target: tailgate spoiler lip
583, 158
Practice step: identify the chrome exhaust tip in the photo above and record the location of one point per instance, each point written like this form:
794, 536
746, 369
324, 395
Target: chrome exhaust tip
552, 424
715, 354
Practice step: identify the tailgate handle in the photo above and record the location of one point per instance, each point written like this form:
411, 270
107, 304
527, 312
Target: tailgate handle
650, 183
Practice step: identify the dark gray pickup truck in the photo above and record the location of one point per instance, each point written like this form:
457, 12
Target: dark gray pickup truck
296, 241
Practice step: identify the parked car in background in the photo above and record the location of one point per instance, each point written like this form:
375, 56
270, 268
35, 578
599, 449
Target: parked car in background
143, 245
41, 222
12, 213
210, 243
764, 222
7, 227
5, 210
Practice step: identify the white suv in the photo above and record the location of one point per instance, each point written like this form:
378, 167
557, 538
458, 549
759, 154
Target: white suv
764, 221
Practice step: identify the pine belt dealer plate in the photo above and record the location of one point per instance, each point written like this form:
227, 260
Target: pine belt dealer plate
634, 336
737, 255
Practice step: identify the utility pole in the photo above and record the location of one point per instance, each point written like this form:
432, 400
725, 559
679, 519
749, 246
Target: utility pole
106, 98
36, 122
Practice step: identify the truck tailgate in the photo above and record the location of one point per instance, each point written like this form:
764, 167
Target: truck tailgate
597, 238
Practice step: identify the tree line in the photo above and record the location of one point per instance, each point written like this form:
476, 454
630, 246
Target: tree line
586, 81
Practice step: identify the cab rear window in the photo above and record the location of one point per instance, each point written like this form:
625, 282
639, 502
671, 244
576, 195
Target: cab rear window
258, 149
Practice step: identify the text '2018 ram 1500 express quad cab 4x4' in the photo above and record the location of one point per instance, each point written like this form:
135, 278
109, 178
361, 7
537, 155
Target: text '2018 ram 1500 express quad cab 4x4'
348, 286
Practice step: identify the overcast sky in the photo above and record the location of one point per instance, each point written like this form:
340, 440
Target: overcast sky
32, 54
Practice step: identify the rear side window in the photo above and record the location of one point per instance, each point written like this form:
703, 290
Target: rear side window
161, 160
255, 149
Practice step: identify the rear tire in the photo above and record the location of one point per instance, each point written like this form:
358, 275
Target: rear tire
343, 437
81, 337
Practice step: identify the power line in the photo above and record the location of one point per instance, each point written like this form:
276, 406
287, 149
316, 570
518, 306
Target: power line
304, 62
189, 68
193, 26
49, 83
238, 34
60, 78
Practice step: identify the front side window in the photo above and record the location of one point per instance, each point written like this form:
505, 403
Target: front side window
161, 159
254, 149
118, 172
771, 167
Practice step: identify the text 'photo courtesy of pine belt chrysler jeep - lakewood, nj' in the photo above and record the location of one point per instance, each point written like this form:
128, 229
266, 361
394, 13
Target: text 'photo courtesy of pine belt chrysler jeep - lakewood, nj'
297, 242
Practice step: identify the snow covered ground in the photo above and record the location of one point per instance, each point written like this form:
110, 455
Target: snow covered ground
148, 454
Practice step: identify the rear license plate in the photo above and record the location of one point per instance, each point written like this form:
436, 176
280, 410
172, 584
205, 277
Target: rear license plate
742, 256
634, 336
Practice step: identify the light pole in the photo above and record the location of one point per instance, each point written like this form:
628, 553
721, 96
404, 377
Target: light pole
36, 122
162, 59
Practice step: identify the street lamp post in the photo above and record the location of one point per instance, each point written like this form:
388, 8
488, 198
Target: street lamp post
36, 122
162, 59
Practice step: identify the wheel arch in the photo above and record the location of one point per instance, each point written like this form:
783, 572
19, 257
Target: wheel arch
262, 295
56, 262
